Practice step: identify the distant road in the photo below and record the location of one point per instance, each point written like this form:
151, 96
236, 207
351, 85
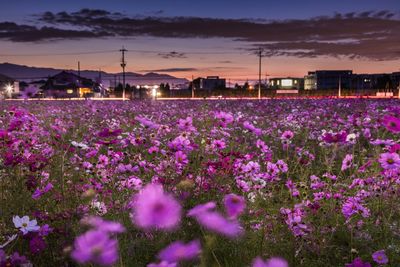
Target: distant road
208, 98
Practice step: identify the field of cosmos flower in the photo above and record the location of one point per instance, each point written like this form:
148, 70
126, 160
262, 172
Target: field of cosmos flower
200, 183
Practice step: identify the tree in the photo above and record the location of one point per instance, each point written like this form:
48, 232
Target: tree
246, 86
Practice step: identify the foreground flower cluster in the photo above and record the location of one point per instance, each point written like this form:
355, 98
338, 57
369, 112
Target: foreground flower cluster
200, 183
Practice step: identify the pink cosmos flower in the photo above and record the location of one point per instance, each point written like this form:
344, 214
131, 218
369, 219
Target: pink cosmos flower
357, 262
179, 251
391, 123
186, 125
37, 244
380, 257
147, 123
353, 206
106, 132
389, 161
154, 209
96, 247
224, 118
330, 138
287, 135
347, 162
249, 126
214, 221
273, 262
181, 158
218, 144
163, 264
102, 225
234, 205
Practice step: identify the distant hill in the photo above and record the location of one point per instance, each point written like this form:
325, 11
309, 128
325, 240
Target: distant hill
4, 78
28, 73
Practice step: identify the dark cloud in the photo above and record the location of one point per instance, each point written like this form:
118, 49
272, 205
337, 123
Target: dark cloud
172, 54
26, 33
172, 70
370, 34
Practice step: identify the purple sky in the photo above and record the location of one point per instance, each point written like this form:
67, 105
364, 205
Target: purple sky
199, 38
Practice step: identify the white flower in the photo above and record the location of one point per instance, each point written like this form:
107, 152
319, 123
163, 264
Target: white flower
25, 225
351, 138
99, 207
83, 146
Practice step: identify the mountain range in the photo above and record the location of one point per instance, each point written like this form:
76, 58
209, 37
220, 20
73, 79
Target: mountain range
29, 73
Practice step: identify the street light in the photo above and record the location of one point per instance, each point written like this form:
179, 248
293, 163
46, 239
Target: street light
154, 93
8, 88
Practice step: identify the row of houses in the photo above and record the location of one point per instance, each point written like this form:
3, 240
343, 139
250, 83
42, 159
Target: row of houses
70, 85
62, 85
316, 80
330, 79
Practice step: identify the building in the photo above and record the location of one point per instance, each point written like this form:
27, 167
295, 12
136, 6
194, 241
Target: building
68, 84
310, 81
395, 77
286, 83
369, 81
328, 79
209, 83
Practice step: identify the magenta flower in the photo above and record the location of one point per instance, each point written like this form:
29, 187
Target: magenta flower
287, 135
389, 161
3, 256
353, 206
179, 251
154, 209
214, 221
273, 262
224, 118
334, 137
95, 247
37, 244
357, 262
347, 162
234, 205
106, 132
163, 264
391, 123
41, 191
181, 158
104, 226
202, 208
186, 124
380, 257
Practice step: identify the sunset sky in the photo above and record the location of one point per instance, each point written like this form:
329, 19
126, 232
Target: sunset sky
199, 38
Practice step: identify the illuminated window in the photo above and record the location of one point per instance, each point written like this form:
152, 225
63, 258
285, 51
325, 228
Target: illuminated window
287, 82
277, 82
70, 91
272, 83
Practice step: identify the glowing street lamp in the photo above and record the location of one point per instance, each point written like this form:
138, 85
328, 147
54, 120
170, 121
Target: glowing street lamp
8, 88
154, 92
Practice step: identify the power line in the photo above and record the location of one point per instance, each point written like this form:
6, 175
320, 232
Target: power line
59, 54
158, 52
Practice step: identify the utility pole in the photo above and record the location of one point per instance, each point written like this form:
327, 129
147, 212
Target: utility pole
259, 73
123, 65
192, 87
79, 73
